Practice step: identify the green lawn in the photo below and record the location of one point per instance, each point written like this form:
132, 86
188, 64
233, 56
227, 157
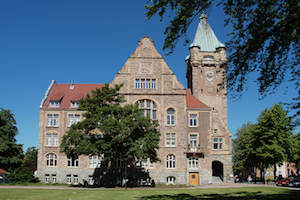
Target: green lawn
152, 194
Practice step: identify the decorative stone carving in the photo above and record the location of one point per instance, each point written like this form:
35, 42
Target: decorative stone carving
146, 67
209, 75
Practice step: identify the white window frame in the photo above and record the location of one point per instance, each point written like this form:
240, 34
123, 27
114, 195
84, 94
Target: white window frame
75, 179
217, 143
51, 139
69, 179
144, 83
193, 121
193, 163
74, 104
193, 140
53, 120
49, 119
150, 108
171, 117
170, 139
91, 180
94, 161
170, 161
53, 178
51, 160
48, 139
54, 104
55, 139
170, 180
47, 178
73, 163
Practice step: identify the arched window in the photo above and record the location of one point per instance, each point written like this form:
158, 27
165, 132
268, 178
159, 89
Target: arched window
51, 160
94, 161
170, 162
193, 163
150, 108
171, 180
170, 116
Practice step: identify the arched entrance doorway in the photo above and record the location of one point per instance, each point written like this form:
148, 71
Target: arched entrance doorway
217, 170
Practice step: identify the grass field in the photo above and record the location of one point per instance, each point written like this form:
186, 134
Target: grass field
152, 194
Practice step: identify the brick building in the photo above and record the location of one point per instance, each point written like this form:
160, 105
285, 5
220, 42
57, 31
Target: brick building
195, 143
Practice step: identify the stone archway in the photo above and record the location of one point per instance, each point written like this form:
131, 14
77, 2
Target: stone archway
217, 170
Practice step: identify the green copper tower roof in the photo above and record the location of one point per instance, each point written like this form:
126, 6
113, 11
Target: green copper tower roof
205, 37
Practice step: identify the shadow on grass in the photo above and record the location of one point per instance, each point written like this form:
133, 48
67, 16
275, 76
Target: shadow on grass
287, 194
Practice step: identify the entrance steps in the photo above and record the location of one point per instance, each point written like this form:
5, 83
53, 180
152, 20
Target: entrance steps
216, 179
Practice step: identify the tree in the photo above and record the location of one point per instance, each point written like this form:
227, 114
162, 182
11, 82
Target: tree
11, 154
268, 142
22, 174
265, 39
124, 132
242, 148
30, 159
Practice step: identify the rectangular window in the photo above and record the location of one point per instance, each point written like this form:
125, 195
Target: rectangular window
75, 179
217, 143
151, 164
91, 180
193, 120
145, 83
55, 139
118, 163
193, 140
72, 162
54, 180
170, 139
137, 83
69, 179
153, 83
49, 120
215, 131
148, 84
77, 119
54, 104
56, 120
49, 139
47, 178
74, 104
71, 120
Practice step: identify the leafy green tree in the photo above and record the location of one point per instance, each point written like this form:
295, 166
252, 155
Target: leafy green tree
11, 154
274, 136
124, 132
243, 149
30, 159
268, 142
265, 39
22, 174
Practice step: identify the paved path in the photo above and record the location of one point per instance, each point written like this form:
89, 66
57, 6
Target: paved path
214, 185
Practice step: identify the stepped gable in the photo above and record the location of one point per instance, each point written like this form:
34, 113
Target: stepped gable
65, 93
193, 102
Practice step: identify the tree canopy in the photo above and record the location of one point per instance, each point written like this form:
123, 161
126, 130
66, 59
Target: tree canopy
265, 39
268, 142
11, 154
111, 129
30, 159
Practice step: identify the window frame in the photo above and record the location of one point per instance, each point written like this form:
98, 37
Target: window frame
94, 161
171, 161
51, 158
170, 139
72, 163
217, 143
145, 83
52, 120
119, 163
193, 163
152, 109
193, 120
170, 180
171, 117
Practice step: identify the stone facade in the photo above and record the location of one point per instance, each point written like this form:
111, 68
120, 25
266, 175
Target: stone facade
195, 143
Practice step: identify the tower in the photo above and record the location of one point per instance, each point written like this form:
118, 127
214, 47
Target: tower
203, 72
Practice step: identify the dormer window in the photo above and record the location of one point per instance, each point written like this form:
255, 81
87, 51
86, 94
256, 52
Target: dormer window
74, 104
54, 104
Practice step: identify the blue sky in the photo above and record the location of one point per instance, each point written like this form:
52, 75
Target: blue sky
88, 42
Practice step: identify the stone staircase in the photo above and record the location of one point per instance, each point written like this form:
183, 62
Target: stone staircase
216, 179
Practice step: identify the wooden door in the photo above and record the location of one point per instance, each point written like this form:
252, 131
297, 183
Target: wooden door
194, 178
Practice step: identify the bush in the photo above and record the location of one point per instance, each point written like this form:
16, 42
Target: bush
22, 174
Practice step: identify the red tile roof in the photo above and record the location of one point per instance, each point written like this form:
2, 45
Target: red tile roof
74, 94
193, 102
2, 171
